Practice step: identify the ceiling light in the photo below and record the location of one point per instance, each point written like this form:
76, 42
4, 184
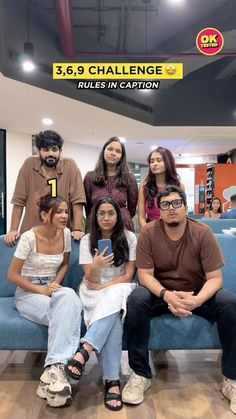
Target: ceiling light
28, 65
47, 121
146, 90
122, 139
27, 62
176, 1
28, 51
153, 147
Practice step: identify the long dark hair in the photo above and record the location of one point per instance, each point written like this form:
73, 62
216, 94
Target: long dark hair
119, 241
47, 203
122, 171
171, 176
220, 207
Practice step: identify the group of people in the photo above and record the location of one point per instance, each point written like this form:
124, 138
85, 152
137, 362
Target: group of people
111, 177
178, 259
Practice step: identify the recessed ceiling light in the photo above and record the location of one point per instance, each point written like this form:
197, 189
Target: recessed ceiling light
176, 1
145, 91
153, 147
47, 121
122, 139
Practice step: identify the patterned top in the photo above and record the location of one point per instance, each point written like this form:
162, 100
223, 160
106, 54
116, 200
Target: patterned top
126, 197
39, 264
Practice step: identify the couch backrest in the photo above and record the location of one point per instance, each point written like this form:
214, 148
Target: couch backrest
217, 224
72, 278
228, 247
7, 289
75, 273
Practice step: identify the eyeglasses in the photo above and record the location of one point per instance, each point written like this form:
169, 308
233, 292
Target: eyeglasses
176, 203
108, 214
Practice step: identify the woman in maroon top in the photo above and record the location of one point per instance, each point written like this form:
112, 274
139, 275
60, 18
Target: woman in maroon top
111, 178
162, 172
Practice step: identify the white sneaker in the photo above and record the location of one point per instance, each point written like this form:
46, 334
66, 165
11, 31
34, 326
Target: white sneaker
54, 386
229, 391
133, 392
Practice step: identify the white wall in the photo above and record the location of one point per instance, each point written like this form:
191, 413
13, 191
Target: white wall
19, 147
85, 157
187, 178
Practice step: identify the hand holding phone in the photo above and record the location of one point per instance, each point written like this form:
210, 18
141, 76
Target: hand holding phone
102, 244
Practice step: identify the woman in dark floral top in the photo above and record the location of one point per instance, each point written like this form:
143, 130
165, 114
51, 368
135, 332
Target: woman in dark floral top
111, 178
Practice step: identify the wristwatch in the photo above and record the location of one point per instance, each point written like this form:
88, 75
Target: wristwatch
162, 293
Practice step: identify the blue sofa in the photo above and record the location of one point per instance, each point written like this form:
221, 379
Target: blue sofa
217, 225
167, 331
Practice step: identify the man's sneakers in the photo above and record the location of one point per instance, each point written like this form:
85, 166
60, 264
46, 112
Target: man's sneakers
54, 386
133, 392
229, 391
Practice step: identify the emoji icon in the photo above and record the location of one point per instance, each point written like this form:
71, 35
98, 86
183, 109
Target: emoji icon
171, 69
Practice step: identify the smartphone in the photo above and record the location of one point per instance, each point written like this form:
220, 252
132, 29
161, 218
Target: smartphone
102, 243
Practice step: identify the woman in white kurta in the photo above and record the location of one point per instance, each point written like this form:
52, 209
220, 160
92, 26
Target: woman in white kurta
39, 265
105, 288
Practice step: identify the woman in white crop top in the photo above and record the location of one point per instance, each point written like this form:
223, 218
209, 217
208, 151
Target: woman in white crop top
104, 292
38, 267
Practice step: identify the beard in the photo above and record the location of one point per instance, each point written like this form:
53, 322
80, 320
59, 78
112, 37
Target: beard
50, 161
173, 224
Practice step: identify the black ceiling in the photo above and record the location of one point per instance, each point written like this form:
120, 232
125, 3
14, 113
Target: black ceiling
129, 31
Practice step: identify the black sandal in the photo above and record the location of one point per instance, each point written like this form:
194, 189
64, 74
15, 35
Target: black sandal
112, 396
77, 364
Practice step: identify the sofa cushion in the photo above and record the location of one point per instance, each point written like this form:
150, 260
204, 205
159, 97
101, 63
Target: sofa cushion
192, 332
74, 274
7, 289
217, 225
18, 333
170, 332
228, 246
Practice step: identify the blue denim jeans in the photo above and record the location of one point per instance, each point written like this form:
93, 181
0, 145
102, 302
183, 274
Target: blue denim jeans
105, 335
61, 313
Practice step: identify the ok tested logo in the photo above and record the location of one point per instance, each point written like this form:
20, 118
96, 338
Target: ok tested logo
209, 41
